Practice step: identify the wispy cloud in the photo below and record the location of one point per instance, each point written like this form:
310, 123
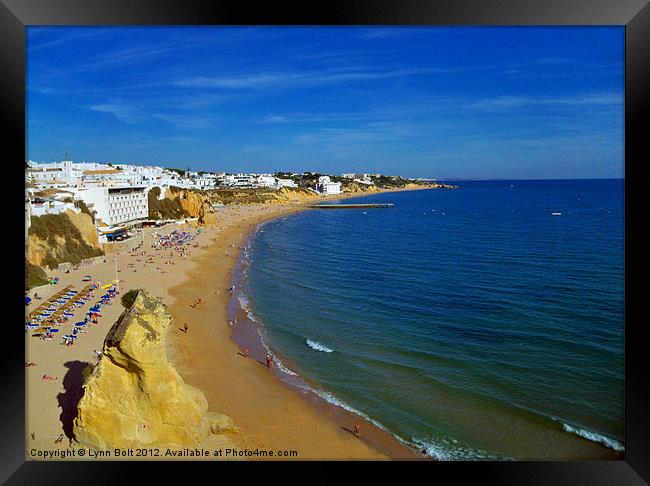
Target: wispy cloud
294, 79
511, 102
369, 133
121, 111
35, 36
44, 90
272, 119
137, 54
185, 121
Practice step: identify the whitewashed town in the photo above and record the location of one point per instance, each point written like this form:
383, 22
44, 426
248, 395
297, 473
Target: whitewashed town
117, 194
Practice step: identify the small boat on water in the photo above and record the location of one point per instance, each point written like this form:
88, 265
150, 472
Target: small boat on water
556, 214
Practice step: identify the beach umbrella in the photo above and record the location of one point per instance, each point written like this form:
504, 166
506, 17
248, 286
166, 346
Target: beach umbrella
54, 330
80, 323
27, 300
105, 296
94, 309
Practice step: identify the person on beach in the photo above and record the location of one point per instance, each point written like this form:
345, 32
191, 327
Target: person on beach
269, 361
357, 429
185, 328
246, 352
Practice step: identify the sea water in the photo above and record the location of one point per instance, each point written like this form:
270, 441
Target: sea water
475, 323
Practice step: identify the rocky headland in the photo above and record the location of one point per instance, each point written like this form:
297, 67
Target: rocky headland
134, 397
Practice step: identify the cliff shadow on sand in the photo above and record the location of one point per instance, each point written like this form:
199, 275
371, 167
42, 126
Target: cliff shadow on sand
69, 400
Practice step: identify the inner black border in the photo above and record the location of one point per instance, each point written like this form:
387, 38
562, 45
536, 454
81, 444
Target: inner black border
15, 15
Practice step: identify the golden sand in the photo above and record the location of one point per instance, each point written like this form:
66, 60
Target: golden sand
269, 414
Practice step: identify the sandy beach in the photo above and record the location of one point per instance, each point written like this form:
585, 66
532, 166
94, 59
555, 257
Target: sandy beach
269, 414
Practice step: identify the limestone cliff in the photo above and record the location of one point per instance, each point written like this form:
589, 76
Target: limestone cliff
134, 397
266, 196
356, 187
194, 204
58, 238
86, 227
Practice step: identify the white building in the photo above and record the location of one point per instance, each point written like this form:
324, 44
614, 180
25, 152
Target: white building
264, 180
280, 183
366, 182
39, 207
326, 186
224, 179
203, 182
116, 205
243, 180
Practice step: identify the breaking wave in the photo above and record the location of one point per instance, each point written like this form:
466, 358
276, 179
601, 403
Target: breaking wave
594, 436
318, 346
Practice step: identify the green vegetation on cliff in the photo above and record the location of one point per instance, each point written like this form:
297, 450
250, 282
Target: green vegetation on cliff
63, 238
84, 209
164, 208
34, 276
388, 182
255, 196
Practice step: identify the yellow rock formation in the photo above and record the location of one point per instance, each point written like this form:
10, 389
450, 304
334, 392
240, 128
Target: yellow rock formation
134, 397
37, 249
196, 205
86, 227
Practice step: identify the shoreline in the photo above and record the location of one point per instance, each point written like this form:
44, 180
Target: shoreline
249, 333
303, 408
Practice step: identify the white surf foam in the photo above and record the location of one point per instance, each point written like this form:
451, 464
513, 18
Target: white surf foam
594, 436
448, 450
318, 346
329, 398
283, 368
243, 301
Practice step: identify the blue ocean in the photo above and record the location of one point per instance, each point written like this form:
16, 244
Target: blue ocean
484, 322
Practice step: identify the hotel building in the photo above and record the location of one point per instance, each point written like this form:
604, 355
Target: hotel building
326, 186
116, 205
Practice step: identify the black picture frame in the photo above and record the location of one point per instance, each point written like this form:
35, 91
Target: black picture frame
16, 15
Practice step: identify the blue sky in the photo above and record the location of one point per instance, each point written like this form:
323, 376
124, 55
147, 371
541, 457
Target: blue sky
444, 102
